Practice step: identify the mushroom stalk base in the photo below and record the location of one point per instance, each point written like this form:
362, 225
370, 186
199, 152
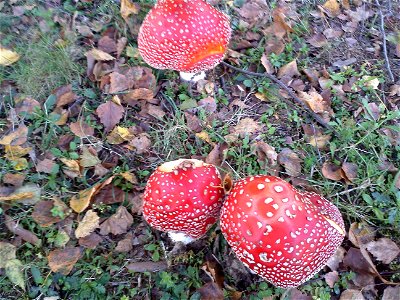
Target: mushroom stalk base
180, 237
192, 77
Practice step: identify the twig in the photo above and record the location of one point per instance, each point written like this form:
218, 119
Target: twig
385, 54
288, 90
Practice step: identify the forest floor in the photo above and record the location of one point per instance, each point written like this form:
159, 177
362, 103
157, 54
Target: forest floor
84, 121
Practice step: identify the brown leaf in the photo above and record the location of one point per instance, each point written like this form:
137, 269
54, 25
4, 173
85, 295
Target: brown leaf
118, 223
361, 234
81, 129
315, 137
265, 153
147, 266
267, 64
332, 7
128, 8
80, 202
16, 137
331, 171
125, 245
7, 252
318, 40
110, 114
355, 260
154, 110
99, 55
141, 143
14, 179
27, 106
331, 278
211, 291
27, 194
214, 157
90, 241
17, 229
119, 135
65, 95
208, 104
137, 203
110, 194
349, 172
88, 158
118, 82
88, 224
72, 168
384, 250
333, 33
336, 259
280, 27
291, 161
107, 44
63, 260
351, 295
46, 166
295, 294
42, 212
289, 70
139, 94
316, 102
246, 126
391, 293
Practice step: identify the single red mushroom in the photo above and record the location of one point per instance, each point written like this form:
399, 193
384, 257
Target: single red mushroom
184, 198
189, 36
284, 235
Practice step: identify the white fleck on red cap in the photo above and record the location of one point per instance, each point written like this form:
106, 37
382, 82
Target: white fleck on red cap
184, 35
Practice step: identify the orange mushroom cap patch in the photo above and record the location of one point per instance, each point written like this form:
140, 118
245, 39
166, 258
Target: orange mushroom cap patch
284, 235
184, 35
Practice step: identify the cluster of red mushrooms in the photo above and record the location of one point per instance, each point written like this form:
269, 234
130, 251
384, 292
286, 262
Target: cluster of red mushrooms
284, 235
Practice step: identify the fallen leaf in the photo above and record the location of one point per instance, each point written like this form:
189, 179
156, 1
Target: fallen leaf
289, 70
265, 153
63, 260
318, 40
291, 162
384, 250
246, 126
27, 106
141, 143
361, 234
333, 33
47, 166
88, 224
81, 129
88, 158
14, 179
16, 137
72, 168
99, 55
118, 223
90, 241
110, 114
316, 102
214, 157
17, 229
110, 194
147, 266
332, 7
8, 57
315, 137
15, 272
27, 194
331, 171
130, 177
335, 260
80, 202
65, 95
119, 83
355, 260
139, 94
107, 44
267, 64
208, 104
331, 278
351, 295
42, 212
119, 135
391, 293
125, 245
349, 172
7, 252
128, 8
203, 135
211, 291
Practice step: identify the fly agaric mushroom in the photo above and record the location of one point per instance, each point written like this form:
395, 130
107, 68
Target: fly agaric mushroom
184, 198
284, 235
189, 36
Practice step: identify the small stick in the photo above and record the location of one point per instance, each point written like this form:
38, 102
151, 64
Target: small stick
288, 90
385, 54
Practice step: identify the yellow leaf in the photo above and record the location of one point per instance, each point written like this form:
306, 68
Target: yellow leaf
116, 99
16, 137
88, 224
80, 202
20, 164
8, 57
128, 8
128, 176
332, 6
119, 135
205, 137
28, 194
99, 55
73, 168
13, 152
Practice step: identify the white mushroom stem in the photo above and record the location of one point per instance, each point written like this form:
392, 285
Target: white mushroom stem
192, 77
180, 237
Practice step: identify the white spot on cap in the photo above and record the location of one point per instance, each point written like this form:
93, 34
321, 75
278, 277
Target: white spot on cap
284, 200
276, 206
268, 200
270, 214
260, 186
278, 188
248, 204
281, 219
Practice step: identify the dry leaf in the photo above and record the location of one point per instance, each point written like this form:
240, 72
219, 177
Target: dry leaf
72, 168
16, 137
361, 234
315, 137
80, 202
349, 172
125, 245
147, 266
110, 114
88, 224
25, 234
289, 70
331, 171
130, 177
118, 223
81, 129
332, 7
141, 143
351, 295
63, 260
317, 40
246, 126
265, 153
27, 194
211, 291
331, 278
88, 158
14, 179
128, 8
46, 166
119, 83
119, 135
42, 212
316, 102
384, 250
7, 252
139, 94
355, 260
99, 55
391, 293
291, 161
214, 157
110, 194
8, 57
334, 261
90, 241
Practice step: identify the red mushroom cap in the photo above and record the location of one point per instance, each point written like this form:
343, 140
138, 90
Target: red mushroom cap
183, 196
184, 35
284, 235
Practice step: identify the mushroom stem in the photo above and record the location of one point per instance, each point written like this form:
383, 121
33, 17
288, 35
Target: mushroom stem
192, 77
